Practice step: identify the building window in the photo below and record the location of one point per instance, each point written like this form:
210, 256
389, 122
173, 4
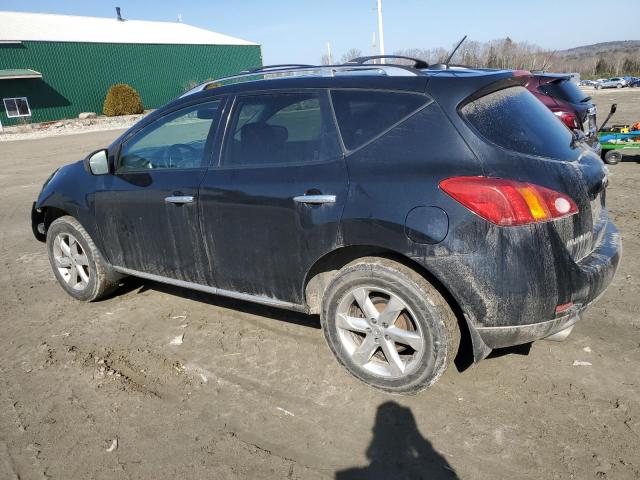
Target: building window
17, 107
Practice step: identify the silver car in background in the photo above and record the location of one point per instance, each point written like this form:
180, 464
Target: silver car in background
615, 82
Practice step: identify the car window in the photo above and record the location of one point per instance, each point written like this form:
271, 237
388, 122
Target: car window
285, 128
364, 114
176, 140
516, 120
564, 89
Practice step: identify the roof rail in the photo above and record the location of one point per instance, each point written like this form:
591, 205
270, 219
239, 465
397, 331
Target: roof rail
271, 67
276, 71
417, 62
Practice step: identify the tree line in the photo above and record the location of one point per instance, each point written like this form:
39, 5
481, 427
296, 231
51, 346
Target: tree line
509, 54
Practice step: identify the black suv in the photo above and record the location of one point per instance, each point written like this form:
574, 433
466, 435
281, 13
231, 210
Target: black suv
407, 206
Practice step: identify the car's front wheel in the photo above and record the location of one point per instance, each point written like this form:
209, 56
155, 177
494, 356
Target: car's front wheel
389, 326
77, 264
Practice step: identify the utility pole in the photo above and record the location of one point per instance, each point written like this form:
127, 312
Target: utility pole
374, 45
380, 30
329, 56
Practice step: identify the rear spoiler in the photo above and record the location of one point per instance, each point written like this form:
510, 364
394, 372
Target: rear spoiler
472, 85
520, 78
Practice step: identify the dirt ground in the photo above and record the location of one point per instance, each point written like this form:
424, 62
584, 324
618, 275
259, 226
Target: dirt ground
101, 391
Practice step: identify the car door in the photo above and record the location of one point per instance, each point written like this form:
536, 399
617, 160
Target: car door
147, 210
273, 204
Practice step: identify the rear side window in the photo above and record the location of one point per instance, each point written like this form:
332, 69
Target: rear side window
564, 90
364, 114
274, 129
516, 120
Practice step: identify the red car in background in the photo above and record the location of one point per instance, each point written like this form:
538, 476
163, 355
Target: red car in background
565, 99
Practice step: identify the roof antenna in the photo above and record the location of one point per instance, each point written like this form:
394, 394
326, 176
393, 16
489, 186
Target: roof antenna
544, 65
120, 19
453, 52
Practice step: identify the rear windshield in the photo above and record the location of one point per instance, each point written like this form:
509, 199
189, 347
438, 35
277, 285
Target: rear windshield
516, 120
564, 90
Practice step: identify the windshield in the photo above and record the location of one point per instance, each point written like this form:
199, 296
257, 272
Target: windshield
516, 120
564, 89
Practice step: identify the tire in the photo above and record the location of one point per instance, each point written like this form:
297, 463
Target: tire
84, 274
613, 157
619, 85
598, 87
421, 338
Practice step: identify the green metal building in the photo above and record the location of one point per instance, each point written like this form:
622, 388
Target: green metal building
56, 66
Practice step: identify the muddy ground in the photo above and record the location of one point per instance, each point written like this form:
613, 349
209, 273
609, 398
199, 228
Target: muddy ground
99, 390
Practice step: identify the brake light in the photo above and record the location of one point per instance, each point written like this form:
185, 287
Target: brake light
569, 119
509, 202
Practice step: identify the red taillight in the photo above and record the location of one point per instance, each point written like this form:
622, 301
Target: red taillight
568, 118
564, 307
509, 202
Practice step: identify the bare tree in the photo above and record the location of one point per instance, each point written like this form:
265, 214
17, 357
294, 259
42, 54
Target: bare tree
350, 55
509, 54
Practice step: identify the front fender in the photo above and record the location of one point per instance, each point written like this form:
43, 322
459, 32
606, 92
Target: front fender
70, 190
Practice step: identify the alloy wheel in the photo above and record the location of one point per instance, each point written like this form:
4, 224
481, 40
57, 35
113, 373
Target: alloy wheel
379, 332
71, 261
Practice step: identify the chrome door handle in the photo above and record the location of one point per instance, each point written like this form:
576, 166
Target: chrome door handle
315, 199
179, 199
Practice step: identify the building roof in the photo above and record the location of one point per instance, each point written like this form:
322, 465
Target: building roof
13, 73
43, 27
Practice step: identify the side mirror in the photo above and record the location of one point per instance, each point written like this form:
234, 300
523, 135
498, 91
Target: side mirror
614, 107
97, 162
207, 113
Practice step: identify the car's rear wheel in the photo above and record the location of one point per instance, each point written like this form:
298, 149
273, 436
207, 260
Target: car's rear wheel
76, 262
619, 85
388, 326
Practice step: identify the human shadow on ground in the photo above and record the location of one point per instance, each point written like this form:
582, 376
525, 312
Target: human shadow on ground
398, 451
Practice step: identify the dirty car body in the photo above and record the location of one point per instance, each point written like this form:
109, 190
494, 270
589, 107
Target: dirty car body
259, 209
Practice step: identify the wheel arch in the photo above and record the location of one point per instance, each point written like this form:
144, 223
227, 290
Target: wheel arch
326, 268
42, 218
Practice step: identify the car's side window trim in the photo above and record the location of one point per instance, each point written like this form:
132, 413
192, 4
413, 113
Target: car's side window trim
323, 96
348, 152
210, 143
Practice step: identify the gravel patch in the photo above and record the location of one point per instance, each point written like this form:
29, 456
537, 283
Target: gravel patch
68, 127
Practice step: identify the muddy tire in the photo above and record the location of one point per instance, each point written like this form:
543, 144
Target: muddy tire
77, 264
613, 157
388, 326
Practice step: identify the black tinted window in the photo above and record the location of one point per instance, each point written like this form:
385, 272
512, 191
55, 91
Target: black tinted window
364, 114
564, 90
176, 140
281, 129
514, 119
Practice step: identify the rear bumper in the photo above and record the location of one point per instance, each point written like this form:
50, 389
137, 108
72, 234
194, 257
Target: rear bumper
596, 271
499, 337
